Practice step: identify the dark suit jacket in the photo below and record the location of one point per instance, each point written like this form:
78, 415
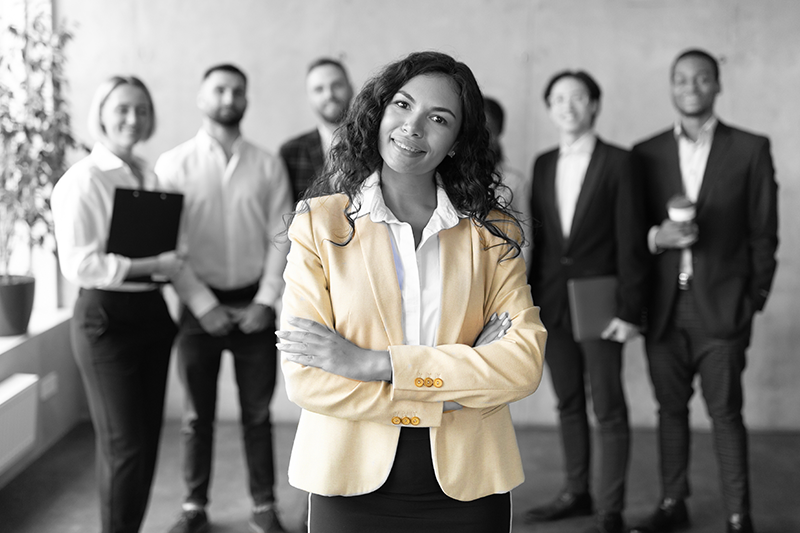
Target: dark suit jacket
608, 235
737, 217
304, 159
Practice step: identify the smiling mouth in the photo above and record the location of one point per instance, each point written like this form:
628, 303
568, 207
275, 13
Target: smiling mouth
407, 148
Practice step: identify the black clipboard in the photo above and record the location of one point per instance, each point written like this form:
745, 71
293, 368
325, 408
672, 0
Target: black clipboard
144, 223
592, 305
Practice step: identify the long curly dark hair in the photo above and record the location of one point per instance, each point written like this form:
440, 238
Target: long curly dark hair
469, 177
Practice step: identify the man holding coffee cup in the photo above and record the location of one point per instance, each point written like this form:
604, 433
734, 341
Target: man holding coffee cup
712, 202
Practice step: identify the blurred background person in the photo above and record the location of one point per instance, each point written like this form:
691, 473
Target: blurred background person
588, 206
121, 329
329, 93
236, 194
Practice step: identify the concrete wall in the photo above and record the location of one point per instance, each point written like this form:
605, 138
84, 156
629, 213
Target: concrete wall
513, 47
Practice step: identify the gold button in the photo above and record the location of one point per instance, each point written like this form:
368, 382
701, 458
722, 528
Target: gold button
396, 421
415, 421
419, 382
428, 382
438, 383
406, 420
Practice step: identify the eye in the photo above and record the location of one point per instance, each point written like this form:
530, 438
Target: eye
439, 119
402, 104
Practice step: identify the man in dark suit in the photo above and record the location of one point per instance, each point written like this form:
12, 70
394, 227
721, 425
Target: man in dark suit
589, 209
712, 273
329, 93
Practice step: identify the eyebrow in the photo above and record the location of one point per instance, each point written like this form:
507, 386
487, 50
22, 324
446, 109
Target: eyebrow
439, 109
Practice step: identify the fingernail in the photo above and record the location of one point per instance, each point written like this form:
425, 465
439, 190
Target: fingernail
281, 333
505, 321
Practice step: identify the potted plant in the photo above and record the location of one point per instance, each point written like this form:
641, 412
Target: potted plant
35, 136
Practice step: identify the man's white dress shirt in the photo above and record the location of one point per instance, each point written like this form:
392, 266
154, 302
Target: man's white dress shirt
573, 161
232, 220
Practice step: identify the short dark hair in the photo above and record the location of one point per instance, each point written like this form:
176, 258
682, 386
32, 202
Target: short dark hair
702, 54
582, 76
493, 109
225, 67
322, 61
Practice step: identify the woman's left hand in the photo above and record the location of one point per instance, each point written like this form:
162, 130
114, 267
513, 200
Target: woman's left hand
313, 344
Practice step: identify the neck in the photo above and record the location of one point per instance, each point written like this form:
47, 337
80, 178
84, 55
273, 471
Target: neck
126, 154
406, 195
568, 137
693, 124
225, 135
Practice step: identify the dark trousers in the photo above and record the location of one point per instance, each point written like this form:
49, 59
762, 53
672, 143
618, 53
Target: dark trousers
122, 343
255, 364
685, 350
571, 364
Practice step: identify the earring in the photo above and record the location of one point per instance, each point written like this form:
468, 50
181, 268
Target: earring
451, 153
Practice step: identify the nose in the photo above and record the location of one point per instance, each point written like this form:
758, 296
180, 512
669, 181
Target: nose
413, 126
131, 118
227, 97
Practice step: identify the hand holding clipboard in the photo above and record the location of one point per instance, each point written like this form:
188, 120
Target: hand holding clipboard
144, 227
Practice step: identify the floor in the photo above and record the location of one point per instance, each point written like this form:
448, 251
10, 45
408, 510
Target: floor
57, 494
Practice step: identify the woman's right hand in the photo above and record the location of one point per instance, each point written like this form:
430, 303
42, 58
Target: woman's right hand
495, 329
168, 264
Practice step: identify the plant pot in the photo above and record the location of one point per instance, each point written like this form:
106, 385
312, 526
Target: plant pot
16, 304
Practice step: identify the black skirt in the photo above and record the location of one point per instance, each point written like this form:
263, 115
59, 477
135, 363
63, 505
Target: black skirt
410, 500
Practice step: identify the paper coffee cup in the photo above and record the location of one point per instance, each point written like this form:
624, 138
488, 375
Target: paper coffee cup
680, 209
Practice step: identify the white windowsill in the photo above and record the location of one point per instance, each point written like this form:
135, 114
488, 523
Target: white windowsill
41, 321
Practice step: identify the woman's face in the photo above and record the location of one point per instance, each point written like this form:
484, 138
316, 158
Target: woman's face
125, 117
419, 126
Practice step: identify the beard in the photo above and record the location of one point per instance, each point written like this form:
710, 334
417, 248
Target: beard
227, 116
333, 112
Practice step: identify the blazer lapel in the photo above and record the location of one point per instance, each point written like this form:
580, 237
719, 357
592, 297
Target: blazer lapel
456, 268
376, 249
548, 191
716, 161
590, 182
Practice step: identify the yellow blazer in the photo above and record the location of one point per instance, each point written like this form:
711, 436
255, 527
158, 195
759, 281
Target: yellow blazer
348, 431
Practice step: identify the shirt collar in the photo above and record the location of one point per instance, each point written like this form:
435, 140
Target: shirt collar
706, 134
372, 203
583, 145
210, 142
106, 160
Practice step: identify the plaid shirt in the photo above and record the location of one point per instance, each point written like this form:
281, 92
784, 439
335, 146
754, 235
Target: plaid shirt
304, 159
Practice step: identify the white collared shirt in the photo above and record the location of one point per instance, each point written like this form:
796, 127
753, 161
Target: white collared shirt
82, 202
573, 161
418, 268
693, 157
232, 217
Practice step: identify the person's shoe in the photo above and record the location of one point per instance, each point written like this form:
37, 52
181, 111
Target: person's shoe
670, 516
607, 523
191, 521
565, 506
265, 520
740, 523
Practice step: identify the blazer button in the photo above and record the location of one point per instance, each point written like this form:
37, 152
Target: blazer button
566, 261
396, 421
415, 421
419, 382
438, 383
406, 421
428, 382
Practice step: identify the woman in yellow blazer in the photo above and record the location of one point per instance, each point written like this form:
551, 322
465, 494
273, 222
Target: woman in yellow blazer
407, 323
